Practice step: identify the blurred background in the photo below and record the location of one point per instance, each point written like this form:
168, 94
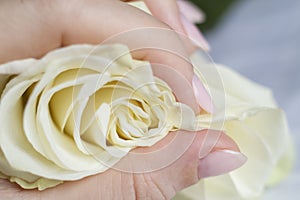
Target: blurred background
261, 40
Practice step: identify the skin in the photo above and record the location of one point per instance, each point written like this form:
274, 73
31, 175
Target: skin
31, 28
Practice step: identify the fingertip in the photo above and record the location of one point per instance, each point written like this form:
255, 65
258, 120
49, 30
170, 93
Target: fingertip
215, 140
225, 142
191, 11
220, 162
218, 154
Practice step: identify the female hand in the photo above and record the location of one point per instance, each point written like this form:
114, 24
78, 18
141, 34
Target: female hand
157, 184
33, 28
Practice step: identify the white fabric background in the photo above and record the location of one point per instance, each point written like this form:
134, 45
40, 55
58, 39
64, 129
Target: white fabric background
261, 40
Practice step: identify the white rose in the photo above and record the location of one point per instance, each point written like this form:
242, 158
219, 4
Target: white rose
57, 115
79, 110
251, 117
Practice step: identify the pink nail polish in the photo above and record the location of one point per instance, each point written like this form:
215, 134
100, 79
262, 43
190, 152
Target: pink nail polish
194, 34
220, 162
201, 94
191, 12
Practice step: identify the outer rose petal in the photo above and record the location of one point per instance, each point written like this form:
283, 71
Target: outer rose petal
260, 129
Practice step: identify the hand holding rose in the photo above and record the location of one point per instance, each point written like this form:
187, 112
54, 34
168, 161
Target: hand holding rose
47, 25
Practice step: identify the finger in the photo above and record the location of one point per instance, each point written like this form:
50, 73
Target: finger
29, 29
191, 11
168, 12
178, 15
194, 34
187, 168
10, 190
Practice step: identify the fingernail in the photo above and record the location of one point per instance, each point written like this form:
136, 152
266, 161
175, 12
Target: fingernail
201, 94
194, 34
191, 12
220, 162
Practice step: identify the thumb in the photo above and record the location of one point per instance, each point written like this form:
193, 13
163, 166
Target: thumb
159, 171
178, 161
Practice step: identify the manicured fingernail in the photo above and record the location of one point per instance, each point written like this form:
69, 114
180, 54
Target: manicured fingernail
201, 94
194, 34
191, 12
220, 162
